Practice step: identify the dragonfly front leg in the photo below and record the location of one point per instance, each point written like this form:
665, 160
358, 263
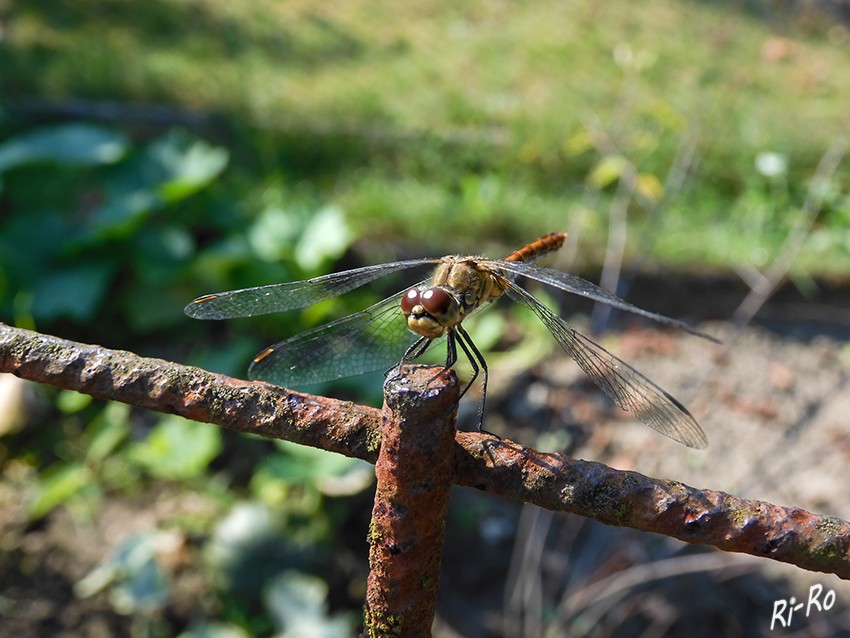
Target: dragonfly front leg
416, 350
413, 352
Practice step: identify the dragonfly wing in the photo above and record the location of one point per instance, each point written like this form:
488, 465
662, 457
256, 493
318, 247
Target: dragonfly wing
624, 385
373, 339
262, 300
583, 288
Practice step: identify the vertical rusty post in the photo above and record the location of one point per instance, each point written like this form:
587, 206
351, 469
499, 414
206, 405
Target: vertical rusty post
415, 472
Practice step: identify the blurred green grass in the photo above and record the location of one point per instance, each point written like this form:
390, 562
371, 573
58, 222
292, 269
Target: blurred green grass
455, 126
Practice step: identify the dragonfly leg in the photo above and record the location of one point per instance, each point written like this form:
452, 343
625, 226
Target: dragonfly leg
475, 358
451, 350
413, 352
417, 349
451, 357
455, 338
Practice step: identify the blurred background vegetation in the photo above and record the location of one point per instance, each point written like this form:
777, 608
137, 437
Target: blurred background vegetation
153, 152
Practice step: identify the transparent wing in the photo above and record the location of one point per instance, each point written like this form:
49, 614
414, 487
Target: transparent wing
262, 300
373, 339
624, 385
582, 287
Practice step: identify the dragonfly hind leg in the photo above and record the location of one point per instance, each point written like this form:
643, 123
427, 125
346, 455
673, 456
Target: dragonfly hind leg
475, 358
452, 339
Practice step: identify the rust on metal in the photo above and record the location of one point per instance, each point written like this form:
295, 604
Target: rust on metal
556, 482
164, 386
415, 472
629, 499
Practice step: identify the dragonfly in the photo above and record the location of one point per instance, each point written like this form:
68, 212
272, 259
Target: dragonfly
405, 325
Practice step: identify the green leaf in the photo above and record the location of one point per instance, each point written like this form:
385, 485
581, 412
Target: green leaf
298, 604
150, 308
107, 431
138, 583
326, 237
273, 234
124, 209
70, 401
57, 484
605, 172
668, 115
305, 463
191, 164
167, 170
208, 629
31, 242
74, 292
650, 187
144, 591
66, 144
577, 144
177, 448
330, 473
160, 253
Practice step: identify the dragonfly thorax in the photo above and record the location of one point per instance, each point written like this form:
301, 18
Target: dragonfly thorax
470, 284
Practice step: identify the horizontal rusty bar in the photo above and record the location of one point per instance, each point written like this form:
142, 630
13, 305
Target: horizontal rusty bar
629, 499
163, 386
556, 482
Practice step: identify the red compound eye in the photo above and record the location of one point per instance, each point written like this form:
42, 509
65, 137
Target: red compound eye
436, 301
410, 299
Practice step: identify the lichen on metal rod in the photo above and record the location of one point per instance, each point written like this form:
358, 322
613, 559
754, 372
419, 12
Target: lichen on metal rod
629, 499
556, 482
164, 386
415, 472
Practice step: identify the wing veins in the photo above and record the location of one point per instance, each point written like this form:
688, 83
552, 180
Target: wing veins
262, 300
373, 339
583, 288
624, 385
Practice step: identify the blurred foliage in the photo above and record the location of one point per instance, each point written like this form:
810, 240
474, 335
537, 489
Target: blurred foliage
106, 240
151, 153
140, 583
177, 448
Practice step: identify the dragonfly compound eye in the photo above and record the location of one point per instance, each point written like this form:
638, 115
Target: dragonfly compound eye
410, 300
436, 301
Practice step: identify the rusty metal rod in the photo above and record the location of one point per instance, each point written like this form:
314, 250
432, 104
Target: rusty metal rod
553, 481
415, 472
163, 386
629, 499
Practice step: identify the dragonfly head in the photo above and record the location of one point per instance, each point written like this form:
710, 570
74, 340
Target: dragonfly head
430, 312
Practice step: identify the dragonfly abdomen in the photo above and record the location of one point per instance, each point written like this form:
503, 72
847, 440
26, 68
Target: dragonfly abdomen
538, 248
